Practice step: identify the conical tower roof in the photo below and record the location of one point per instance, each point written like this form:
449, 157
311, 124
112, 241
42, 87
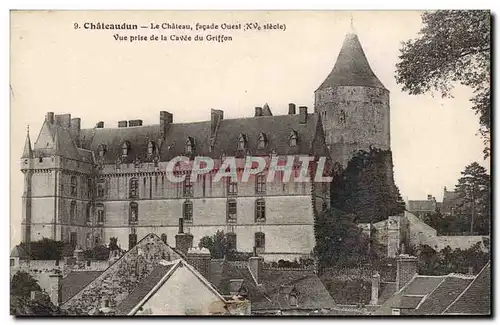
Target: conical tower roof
352, 67
27, 152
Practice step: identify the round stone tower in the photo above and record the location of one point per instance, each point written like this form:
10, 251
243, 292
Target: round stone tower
353, 105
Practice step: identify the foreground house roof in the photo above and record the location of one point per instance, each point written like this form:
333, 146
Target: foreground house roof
118, 281
275, 287
447, 294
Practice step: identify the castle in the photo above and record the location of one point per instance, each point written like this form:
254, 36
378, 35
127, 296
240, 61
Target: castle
84, 186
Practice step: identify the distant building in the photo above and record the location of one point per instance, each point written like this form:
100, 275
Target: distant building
451, 200
452, 294
422, 207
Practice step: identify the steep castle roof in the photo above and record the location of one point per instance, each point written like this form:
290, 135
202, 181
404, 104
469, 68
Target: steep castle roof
352, 67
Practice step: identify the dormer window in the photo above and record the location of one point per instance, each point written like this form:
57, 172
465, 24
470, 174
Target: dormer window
189, 146
262, 141
151, 148
102, 150
293, 139
125, 149
242, 142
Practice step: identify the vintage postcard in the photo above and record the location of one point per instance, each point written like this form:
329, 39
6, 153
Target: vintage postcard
251, 163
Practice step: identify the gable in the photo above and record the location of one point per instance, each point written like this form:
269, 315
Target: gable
183, 293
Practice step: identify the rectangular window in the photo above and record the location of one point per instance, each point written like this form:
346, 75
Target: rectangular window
101, 187
260, 241
260, 184
134, 213
396, 311
72, 239
231, 210
187, 212
232, 186
188, 187
132, 241
12, 262
100, 215
231, 241
134, 188
260, 211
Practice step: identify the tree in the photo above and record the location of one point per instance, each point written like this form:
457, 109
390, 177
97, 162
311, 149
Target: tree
22, 284
366, 187
339, 240
473, 190
216, 244
453, 46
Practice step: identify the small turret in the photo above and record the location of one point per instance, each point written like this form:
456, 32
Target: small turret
27, 152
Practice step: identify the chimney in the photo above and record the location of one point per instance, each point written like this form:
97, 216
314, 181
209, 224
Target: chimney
55, 289
63, 120
183, 242
291, 109
122, 124
255, 266
166, 119
429, 197
199, 258
303, 114
75, 130
134, 123
258, 111
406, 270
100, 125
50, 117
375, 289
216, 115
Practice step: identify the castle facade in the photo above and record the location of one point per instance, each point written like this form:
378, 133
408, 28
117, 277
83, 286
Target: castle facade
84, 186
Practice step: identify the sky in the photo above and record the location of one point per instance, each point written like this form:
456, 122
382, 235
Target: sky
88, 74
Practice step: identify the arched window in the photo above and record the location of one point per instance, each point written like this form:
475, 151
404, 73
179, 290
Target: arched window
134, 188
242, 142
74, 185
90, 187
189, 146
260, 210
134, 213
293, 139
260, 241
125, 148
151, 148
72, 211
164, 238
187, 211
262, 141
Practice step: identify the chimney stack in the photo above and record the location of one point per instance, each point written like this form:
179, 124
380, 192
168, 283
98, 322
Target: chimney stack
55, 289
199, 258
303, 114
406, 269
375, 289
75, 129
122, 124
291, 109
134, 123
255, 265
100, 125
429, 197
166, 119
216, 115
50, 117
183, 242
258, 111
63, 120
